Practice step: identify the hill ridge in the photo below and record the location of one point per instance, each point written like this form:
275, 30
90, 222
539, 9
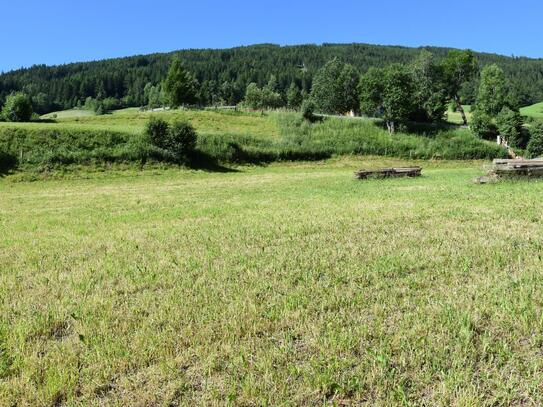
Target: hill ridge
225, 73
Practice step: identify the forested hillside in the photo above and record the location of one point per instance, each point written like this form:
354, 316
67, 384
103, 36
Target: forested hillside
223, 75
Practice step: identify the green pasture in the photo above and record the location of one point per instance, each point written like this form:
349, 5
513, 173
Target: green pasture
287, 284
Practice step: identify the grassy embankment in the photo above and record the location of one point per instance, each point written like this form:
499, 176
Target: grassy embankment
285, 284
231, 137
535, 111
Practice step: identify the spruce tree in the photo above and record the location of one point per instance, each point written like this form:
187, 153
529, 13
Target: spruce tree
180, 85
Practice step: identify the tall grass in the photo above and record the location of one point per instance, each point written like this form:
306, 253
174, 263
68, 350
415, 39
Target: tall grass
301, 140
366, 137
30, 147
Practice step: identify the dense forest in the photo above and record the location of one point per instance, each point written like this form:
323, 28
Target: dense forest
223, 75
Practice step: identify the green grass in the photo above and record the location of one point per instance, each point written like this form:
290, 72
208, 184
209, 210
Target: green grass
456, 117
291, 284
535, 111
230, 137
205, 121
68, 114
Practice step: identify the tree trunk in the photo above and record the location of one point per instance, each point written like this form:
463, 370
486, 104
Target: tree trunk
461, 109
391, 126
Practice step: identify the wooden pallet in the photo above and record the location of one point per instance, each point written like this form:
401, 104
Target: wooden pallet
529, 168
389, 172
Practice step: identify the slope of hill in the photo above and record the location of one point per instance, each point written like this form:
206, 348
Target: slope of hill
225, 73
225, 138
535, 110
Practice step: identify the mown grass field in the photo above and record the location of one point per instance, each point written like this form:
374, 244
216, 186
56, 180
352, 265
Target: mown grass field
68, 114
290, 284
133, 121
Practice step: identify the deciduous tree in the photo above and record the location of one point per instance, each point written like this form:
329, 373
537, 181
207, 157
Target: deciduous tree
397, 95
459, 67
262, 98
511, 127
430, 94
18, 108
371, 88
388, 93
335, 89
493, 93
253, 97
294, 97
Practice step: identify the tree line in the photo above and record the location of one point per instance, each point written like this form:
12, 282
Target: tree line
421, 91
223, 75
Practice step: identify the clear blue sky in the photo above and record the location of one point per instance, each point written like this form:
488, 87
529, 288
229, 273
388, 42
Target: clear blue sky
60, 31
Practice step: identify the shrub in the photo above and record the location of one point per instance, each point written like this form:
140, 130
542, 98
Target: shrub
535, 145
157, 131
483, 126
510, 126
100, 109
182, 139
179, 138
109, 104
308, 110
18, 108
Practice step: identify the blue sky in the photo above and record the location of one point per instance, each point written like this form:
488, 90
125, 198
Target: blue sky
60, 31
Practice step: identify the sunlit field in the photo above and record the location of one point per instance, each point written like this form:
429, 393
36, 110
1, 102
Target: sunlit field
535, 111
288, 284
456, 117
133, 121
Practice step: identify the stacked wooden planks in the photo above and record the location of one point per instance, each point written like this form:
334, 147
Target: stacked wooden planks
518, 167
389, 172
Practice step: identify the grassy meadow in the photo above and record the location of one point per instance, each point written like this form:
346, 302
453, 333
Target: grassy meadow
456, 117
287, 284
132, 121
68, 114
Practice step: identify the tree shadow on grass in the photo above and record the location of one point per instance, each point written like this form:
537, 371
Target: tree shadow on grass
199, 160
256, 156
7, 164
422, 129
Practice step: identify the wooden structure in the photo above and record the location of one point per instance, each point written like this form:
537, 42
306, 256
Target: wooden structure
389, 173
518, 167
